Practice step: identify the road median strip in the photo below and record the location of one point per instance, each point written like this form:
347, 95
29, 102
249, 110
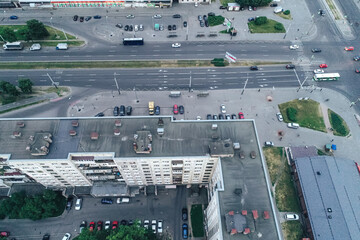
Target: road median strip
126, 64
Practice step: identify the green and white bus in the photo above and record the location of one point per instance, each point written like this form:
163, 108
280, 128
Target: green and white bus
326, 77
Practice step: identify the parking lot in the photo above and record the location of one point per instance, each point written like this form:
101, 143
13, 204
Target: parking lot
166, 206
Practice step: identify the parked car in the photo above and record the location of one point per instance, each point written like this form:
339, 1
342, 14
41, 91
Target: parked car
87, 18
4, 234
199, 17
160, 226
174, 27
157, 16
316, 50
233, 116
250, 8
269, 144
99, 225
97, 17
227, 116
221, 116
100, 114
279, 117
13, 17
130, 16
106, 201
222, 7
82, 226
157, 110
185, 231
215, 117
114, 224
222, 108
176, 16
254, 68
67, 236
202, 24
153, 226
294, 47
273, 5
176, 45
181, 109
251, 19
124, 222
318, 71
357, 70
291, 216
146, 224
323, 65
141, 27
78, 204
175, 109
206, 23
293, 125
208, 117
46, 237
75, 17
169, 27
349, 48
290, 66
107, 225
356, 58
128, 110
91, 226
116, 111
184, 215
122, 110
211, 14
131, 28
185, 24
241, 115
81, 19
119, 25
69, 203
126, 28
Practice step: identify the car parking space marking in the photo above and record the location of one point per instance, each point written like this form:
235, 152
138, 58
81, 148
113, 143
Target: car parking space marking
199, 54
43, 80
156, 50
69, 75
67, 56
133, 50
92, 74
140, 74
88, 85
20, 75
154, 55
135, 55
266, 55
67, 80
112, 51
92, 80
199, 50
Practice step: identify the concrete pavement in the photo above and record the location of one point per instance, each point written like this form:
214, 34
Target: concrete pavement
253, 103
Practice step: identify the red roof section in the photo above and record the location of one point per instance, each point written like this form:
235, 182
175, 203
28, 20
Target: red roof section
244, 212
266, 215
255, 214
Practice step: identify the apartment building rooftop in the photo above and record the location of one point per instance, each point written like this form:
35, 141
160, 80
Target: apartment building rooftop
126, 137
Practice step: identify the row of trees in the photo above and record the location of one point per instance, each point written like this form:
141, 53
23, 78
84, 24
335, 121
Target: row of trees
253, 3
34, 30
25, 86
19, 205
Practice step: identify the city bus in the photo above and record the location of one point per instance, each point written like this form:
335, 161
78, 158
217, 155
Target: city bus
326, 76
13, 46
133, 41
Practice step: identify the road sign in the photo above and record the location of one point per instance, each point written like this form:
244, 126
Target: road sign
230, 57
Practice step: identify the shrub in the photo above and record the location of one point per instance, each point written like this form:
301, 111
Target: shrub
287, 12
291, 114
261, 20
218, 62
337, 123
279, 26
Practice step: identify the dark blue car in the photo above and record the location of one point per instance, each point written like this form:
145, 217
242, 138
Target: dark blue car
97, 17
13, 17
106, 201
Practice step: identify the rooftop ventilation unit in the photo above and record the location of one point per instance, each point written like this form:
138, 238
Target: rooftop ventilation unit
17, 134
318, 173
160, 131
75, 123
214, 126
94, 136
20, 124
116, 132
117, 123
72, 133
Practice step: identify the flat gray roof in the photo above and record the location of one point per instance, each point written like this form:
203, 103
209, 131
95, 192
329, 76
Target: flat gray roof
181, 138
331, 189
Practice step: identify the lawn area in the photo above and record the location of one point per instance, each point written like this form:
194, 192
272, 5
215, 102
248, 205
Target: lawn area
197, 220
216, 20
274, 162
292, 230
225, 2
55, 34
308, 114
268, 27
281, 14
338, 124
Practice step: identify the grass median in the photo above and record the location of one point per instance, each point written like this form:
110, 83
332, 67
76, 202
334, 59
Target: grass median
125, 64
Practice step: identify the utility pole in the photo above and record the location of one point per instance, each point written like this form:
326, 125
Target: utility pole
52, 82
247, 79
190, 82
117, 86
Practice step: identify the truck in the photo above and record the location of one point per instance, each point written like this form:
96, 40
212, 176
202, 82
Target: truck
151, 108
13, 46
35, 47
62, 46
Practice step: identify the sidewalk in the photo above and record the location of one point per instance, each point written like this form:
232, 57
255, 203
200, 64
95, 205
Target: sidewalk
252, 103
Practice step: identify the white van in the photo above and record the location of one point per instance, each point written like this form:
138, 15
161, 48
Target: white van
293, 125
35, 47
78, 204
62, 46
291, 216
125, 200
278, 9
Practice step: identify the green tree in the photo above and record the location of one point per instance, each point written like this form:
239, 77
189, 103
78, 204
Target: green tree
25, 85
37, 29
32, 208
132, 232
291, 114
11, 89
8, 35
24, 32
278, 26
261, 20
3, 86
287, 12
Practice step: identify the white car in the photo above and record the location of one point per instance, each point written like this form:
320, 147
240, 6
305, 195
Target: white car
107, 225
130, 16
153, 225
318, 71
279, 117
196, 4
136, 28
66, 236
141, 27
293, 47
35, 47
160, 226
78, 204
157, 16
176, 45
269, 144
293, 125
146, 224
222, 108
291, 216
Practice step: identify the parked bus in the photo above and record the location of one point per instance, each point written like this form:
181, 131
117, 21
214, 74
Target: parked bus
133, 41
13, 46
326, 76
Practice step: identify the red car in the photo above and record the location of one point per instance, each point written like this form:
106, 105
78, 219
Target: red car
99, 225
357, 70
175, 109
114, 224
91, 226
323, 65
349, 48
4, 234
241, 115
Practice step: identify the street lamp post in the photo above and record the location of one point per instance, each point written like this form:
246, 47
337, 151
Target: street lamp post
116, 83
190, 82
